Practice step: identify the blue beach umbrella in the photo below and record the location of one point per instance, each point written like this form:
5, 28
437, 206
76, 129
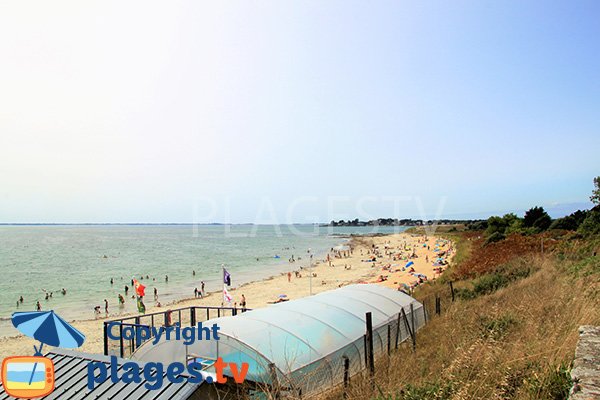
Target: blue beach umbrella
408, 264
48, 328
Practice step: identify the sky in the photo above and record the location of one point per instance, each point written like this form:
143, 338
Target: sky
296, 111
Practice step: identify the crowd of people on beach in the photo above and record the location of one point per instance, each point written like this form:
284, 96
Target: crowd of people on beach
388, 258
391, 259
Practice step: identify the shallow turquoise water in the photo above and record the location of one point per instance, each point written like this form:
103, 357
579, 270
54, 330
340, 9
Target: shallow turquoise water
83, 258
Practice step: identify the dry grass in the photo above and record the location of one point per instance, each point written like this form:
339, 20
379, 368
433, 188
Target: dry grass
515, 343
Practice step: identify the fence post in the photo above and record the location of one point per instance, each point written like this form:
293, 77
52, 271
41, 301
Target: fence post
389, 339
424, 312
366, 351
451, 290
138, 340
193, 316
346, 375
412, 334
121, 344
105, 338
397, 331
438, 308
412, 318
370, 358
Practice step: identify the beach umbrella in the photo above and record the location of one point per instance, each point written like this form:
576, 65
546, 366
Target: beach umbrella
48, 328
408, 264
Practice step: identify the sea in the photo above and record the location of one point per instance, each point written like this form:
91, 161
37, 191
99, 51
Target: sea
82, 259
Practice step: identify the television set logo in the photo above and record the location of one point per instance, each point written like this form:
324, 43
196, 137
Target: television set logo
28, 377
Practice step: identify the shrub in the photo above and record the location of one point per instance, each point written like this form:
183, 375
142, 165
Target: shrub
495, 237
537, 215
570, 222
554, 383
543, 222
490, 283
591, 223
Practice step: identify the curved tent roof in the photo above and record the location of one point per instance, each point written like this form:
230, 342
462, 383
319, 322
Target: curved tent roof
295, 334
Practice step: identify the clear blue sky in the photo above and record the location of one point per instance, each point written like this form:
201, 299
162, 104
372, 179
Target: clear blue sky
280, 111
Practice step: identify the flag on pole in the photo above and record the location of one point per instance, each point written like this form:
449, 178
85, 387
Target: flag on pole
226, 296
141, 306
139, 288
226, 277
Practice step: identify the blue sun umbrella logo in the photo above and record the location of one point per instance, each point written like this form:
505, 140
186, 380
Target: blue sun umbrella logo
49, 329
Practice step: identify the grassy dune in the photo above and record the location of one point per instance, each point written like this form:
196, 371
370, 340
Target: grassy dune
512, 331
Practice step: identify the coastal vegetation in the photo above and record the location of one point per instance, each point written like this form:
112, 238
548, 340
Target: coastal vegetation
401, 222
511, 331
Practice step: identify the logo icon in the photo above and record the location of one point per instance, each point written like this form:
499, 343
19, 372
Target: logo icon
28, 377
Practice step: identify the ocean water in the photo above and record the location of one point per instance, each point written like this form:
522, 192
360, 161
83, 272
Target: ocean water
83, 258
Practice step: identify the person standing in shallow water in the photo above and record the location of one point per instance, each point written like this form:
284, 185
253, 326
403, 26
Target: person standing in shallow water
38, 306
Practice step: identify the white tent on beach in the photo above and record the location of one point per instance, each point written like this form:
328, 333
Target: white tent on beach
301, 343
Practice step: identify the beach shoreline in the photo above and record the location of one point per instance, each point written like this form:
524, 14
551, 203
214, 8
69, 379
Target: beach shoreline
348, 267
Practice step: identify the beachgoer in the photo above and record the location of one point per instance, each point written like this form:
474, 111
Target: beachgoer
289, 276
38, 306
195, 293
64, 291
155, 294
243, 302
193, 272
202, 288
106, 306
112, 281
21, 299
166, 278
121, 300
17, 303
126, 289
47, 296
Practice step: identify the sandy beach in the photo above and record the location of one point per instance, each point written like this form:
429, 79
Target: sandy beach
391, 252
